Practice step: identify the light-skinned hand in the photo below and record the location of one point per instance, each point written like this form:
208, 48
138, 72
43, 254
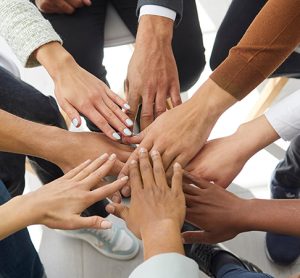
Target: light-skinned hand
59, 204
153, 202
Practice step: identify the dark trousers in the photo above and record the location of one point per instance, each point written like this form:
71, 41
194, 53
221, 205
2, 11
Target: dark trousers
234, 25
18, 257
24, 101
83, 35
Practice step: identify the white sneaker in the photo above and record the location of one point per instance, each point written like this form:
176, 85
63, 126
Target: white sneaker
116, 243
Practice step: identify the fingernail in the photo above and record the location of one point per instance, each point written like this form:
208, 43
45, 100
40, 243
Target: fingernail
124, 178
127, 132
126, 106
75, 122
116, 136
112, 157
126, 191
105, 224
103, 156
154, 152
129, 122
133, 162
143, 150
177, 165
115, 199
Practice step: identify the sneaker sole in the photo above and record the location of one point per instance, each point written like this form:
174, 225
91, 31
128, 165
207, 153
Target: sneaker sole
103, 252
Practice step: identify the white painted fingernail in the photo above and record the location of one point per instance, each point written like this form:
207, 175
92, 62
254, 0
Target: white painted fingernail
127, 132
154, 152
75, 122
124, 178
116, 136
127, 106
105, 224
112, 157
177, 165
129, 122
143, 150
133, 162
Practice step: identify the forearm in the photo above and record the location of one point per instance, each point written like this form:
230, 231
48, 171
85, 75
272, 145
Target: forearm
21, 136
163, 238
24, 29
15, 215
278, 216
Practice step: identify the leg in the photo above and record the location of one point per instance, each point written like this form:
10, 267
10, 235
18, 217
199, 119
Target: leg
285, 184
18, 257
237, 20
187, 42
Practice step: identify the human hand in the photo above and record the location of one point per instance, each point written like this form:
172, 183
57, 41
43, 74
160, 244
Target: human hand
152, 72
220, 214
78, 91
61, 6
153, 202
81, 146
59, 204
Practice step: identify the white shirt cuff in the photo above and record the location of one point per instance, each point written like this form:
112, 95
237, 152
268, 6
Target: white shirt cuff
167, 265
284, 116
157, 10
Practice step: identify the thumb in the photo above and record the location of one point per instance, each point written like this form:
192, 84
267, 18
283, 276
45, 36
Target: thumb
71, 112
118, 210
195, 237
94, 222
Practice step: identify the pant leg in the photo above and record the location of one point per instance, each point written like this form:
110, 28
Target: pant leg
287, 172
234, 271
187, 41
234, 25
18, 257
20, 99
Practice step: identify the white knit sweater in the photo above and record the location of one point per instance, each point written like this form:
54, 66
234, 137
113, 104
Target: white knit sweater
25, 29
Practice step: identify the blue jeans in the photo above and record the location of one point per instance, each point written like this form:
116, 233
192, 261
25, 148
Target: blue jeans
234, 271
18, 257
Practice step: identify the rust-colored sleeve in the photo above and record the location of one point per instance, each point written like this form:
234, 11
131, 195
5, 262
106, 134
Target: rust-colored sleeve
269, 40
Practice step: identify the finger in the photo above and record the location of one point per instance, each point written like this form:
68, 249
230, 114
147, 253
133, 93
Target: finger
168, 157
107, 190
118, 100
65, 7
146, 168
99, 171
196, 237
182, 159
175, 96
137, 139
91, 168
74, 3
71, 112
160, 103
92, 222
72, 173
147, 116
87, 2
118, 210
122, 116
177, 179
101, 123
112, 119
158, 169
191, 189
135, 177
190, 178
133, 102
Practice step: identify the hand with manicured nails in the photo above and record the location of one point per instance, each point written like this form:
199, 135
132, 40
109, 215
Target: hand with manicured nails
61, 202
61, 6
153, 203
219, 213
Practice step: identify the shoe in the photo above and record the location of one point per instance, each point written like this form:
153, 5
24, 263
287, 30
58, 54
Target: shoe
282, 249
204, 253
116, 243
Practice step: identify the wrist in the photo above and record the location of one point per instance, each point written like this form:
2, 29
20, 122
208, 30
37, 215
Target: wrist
54, 58
154, 30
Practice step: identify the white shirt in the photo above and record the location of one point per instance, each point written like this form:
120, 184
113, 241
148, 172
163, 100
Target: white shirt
167, 265
157, 10
285, 116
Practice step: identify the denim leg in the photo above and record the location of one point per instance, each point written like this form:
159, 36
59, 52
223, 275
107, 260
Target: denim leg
287, 172
234, 271
18, 257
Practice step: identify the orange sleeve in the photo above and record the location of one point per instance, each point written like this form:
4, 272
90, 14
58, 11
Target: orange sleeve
269, 40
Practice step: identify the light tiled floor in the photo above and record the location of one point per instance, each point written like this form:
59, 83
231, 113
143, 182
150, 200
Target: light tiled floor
64, 257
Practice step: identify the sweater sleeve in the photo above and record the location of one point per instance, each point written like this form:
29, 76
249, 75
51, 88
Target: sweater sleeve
269, 40
25, 29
